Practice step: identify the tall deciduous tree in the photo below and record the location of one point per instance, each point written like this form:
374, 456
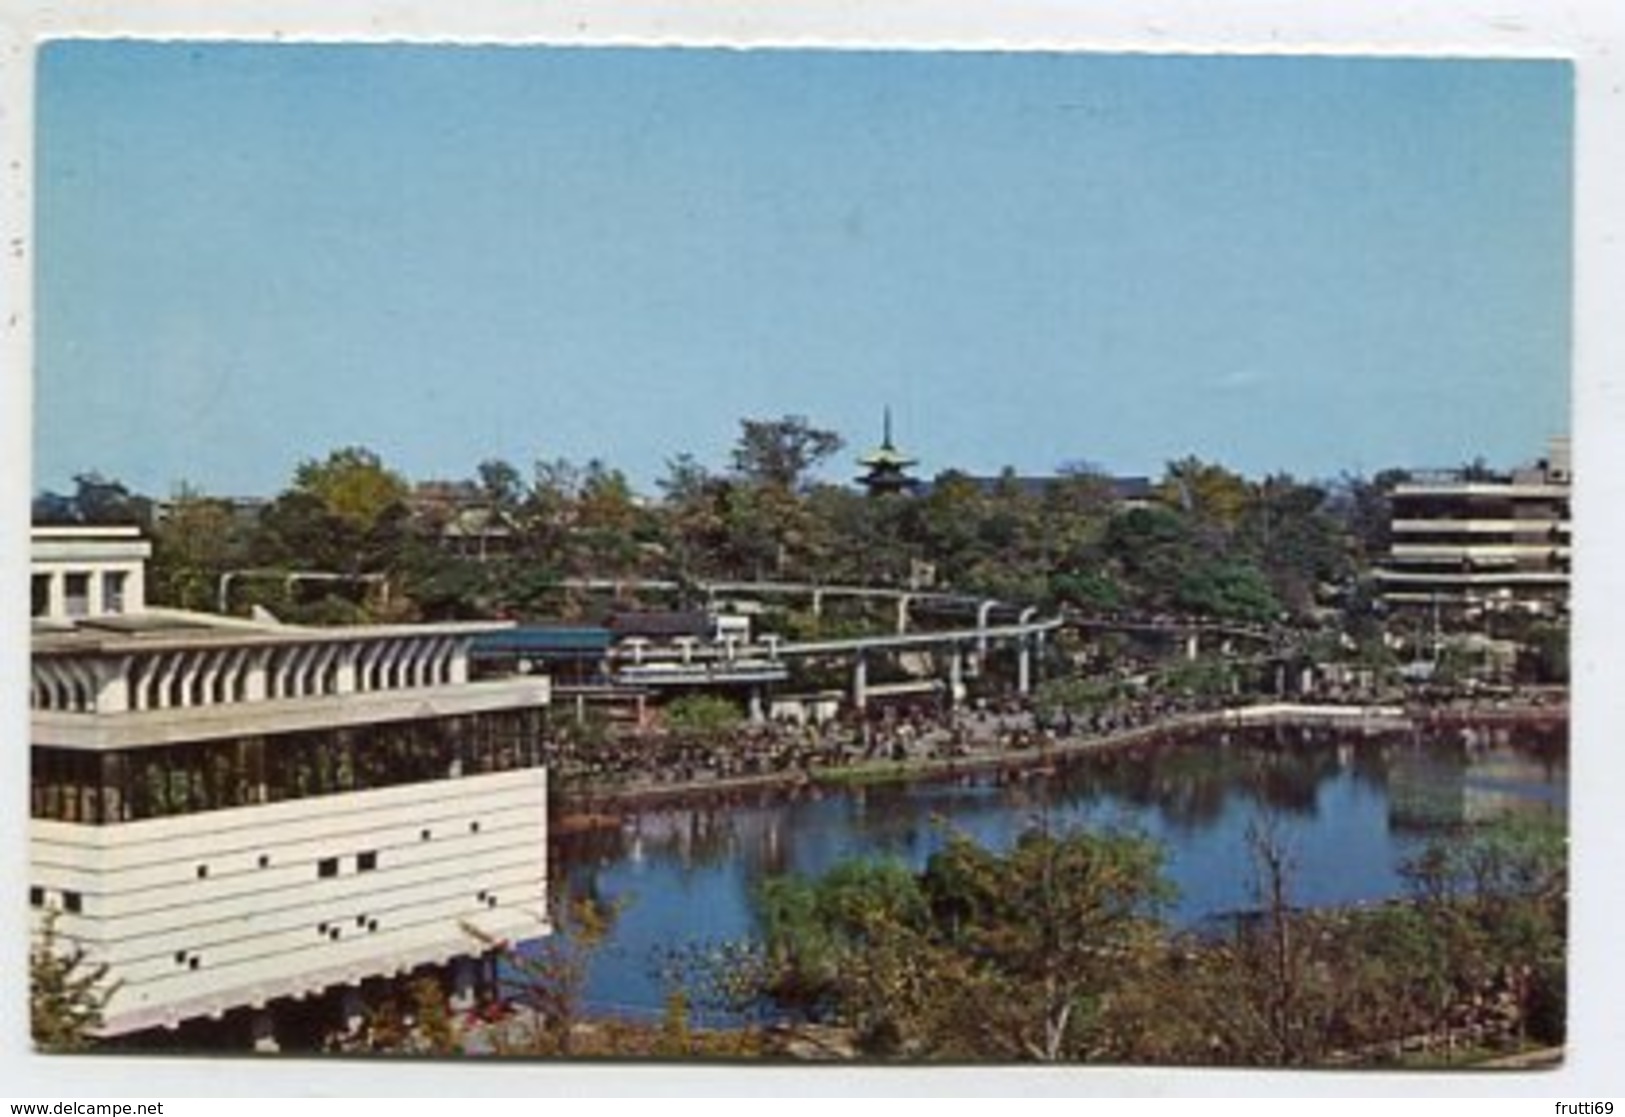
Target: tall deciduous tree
196, 541
983, 955
354, 485
781, 452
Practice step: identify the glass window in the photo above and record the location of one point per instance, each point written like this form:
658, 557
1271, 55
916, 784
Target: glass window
76, 594
113, 590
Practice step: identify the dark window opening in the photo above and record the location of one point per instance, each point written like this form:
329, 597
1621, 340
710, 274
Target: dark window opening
424, 834
333, 934
473, 827
321, 928
327, 867
490, 901
41, 597
265, 860
180, 957
73, 902
372, 925
366, 862
71, 785
36, 897
361, 921
191, 963
202, 872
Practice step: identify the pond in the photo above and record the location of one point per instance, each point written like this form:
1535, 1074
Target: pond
1351, 809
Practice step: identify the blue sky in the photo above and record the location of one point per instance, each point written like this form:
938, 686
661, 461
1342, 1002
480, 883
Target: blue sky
249, 255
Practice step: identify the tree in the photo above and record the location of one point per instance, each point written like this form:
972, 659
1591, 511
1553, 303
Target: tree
344, 514
704, 716
353, 485
500, 485
780, 452
550, 980
608, 524
1058, 924
67, 993
983, 955
1213, 495
196, 541
96, 500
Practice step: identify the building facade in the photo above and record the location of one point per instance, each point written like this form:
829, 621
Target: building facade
1474, 541
236, 815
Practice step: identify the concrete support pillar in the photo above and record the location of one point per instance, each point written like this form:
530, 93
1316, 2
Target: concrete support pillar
860, 681
956, 677
457, 674
640, 704
982, 611
1280, 678
344, 679
1024, 666
818, 603
57, 597
97, 600
1191, 646
581, 708
254, 676
757, 716
135, 589
113, 686
903, 603
262, 1030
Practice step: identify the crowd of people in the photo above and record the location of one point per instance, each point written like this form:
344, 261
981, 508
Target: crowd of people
911, 734
921, 732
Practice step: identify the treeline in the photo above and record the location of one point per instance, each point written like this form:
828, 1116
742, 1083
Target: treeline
1057, 951
1202, 540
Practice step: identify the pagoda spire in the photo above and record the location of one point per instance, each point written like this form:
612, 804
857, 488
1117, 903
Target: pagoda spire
887, 469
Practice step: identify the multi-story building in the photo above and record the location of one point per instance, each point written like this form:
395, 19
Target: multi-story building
236, 815
1476, 540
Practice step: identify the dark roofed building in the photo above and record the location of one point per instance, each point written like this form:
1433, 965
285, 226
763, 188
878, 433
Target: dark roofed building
660, 625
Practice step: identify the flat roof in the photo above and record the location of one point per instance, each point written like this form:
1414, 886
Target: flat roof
545, 638
174, 630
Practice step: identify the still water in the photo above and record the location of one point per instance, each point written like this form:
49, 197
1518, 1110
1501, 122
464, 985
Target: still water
1351, 810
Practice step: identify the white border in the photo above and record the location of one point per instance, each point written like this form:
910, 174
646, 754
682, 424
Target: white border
1588, 31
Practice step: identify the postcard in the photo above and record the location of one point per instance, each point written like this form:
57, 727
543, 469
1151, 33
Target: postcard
804, 555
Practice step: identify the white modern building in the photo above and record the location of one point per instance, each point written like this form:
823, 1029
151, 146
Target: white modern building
237, 815
1479, 541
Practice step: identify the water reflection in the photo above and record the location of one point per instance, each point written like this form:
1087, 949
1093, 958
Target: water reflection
1351, 808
